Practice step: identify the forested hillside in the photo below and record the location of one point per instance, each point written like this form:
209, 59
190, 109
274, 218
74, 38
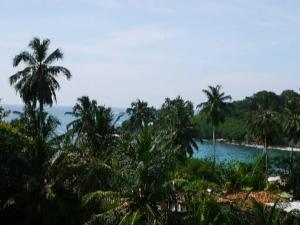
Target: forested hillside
241, 114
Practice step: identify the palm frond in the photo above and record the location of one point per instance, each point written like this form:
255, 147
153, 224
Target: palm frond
55, 70
109, 197
23, 73
25, 57
56, 55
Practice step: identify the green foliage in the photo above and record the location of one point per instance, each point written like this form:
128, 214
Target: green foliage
11, 162
141, 173
176, 116
140, 114
151, 160
216, 106
264, 127
233, 176
206, 211
197, 169
263, 215
203, 128
36, 124
289, 170
215, 109
233, 129
31, 193
292, 121
243, 114
92, 127
3, 112
200, 186
266, 100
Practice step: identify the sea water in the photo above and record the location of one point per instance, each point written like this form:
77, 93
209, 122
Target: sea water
229, 152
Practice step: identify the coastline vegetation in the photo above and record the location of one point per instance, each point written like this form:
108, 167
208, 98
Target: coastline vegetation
142, 172
282, 107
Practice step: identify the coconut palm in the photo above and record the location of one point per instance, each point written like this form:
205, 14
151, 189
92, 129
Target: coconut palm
292, 130
40, 199
36, 124
37, 82
140, 114
93, 125
292, 124
142, 198
215, 109
176, 115
264, 127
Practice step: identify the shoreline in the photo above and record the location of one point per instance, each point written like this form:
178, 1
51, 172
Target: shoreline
287, 148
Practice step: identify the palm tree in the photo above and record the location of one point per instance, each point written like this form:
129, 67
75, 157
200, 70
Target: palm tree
264, 126
292, 130
40, 198
93, 125
142, 199
140, 114
84, 113
176, 115
37, 82
292, 124
36, 124
215, 109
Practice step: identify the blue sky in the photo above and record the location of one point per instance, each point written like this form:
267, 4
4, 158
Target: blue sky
121, 50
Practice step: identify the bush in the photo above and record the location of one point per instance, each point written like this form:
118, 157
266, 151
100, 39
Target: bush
197, 169
201, 186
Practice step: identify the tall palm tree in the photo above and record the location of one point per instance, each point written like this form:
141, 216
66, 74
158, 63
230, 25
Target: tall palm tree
292, 130
292, 124
264, 126
215, 109
37, 82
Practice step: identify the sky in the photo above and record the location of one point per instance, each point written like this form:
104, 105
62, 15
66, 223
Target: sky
122, 50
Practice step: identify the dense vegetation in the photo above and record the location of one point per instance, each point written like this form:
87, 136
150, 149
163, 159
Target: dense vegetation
142, 172
236, 123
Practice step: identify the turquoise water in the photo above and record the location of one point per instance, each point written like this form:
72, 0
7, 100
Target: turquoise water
224, 152
227, 152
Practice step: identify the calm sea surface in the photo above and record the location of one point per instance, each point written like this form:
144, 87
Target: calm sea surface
228, 152
224, 152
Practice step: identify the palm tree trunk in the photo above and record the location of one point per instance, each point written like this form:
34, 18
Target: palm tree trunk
292, 172
266, 154
41, 107
214, 147
292, 154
